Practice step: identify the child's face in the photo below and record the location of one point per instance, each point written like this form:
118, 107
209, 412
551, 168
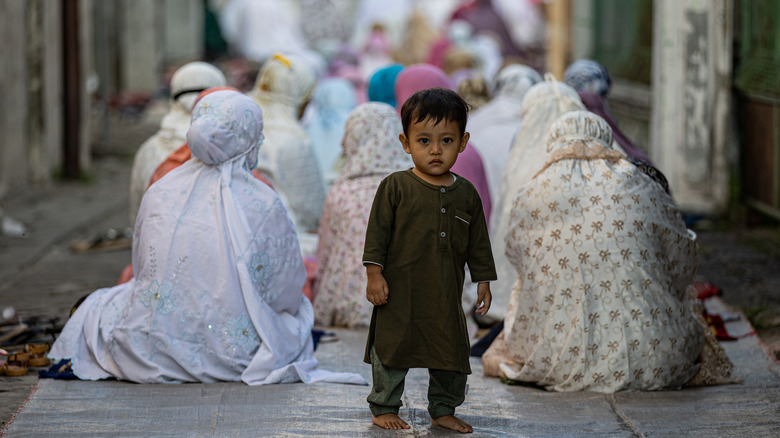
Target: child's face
434, 147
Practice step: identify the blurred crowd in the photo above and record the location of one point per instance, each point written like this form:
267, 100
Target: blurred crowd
593, 258
354, 38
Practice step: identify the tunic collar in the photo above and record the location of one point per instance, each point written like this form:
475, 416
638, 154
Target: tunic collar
452, 186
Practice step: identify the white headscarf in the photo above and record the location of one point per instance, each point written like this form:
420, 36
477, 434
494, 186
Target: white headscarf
603, 260
286, 82
493, 126
542, 104
216, 294
288, 160
186, 85
515, 80
192, 78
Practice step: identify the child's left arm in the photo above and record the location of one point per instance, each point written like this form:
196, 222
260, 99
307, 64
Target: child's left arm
484, 297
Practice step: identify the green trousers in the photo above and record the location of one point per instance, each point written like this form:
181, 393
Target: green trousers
446, 389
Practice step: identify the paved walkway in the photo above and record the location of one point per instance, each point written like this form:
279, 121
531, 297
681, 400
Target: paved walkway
494, 409
40, 276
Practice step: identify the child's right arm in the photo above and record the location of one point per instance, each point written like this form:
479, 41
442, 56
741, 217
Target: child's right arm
376, 288
378, 231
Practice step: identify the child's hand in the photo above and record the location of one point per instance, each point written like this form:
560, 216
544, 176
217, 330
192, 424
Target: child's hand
376, 289
484, 297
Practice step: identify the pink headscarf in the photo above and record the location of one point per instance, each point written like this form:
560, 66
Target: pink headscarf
418, 77
469, 165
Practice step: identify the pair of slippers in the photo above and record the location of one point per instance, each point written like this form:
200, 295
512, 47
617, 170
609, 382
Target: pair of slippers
34, 355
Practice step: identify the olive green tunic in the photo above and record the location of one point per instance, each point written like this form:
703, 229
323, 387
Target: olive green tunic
423, 235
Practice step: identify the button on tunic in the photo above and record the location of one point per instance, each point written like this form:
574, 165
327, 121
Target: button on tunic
423, 235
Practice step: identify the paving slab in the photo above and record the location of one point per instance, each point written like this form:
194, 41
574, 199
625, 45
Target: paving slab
113, 408
57, 213
41, 276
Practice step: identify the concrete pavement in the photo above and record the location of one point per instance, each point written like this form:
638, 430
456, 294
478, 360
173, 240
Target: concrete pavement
40, 276
111, 408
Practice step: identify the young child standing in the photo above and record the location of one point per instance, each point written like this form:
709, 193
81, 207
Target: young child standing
425, 224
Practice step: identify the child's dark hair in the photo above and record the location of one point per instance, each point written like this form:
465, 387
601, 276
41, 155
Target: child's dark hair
435, 103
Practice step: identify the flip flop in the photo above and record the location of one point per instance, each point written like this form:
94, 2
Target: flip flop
37, 354
15, 365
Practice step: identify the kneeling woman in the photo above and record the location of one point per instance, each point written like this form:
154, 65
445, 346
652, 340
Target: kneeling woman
603, 260
216, 293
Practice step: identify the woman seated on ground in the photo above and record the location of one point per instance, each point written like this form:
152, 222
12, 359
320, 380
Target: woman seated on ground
542, 104
603, 262
216, 294
372, 152
494, 125
176, 159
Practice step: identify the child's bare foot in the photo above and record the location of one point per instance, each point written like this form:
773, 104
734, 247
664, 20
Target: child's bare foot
389, 421
452, 422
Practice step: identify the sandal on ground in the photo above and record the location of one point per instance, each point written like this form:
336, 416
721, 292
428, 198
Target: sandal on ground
15, 365
37, 354
62, 370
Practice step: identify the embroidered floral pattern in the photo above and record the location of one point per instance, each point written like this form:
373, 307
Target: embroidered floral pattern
243, 333
591, 282
158, 297
260, 270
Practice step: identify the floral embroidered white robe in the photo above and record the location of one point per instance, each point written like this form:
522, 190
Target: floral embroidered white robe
216, 293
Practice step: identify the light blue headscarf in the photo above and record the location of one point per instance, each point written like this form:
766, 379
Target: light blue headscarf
381, 86
333, 100
588, 75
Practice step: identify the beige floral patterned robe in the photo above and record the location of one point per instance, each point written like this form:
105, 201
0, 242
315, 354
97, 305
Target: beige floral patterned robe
603, 260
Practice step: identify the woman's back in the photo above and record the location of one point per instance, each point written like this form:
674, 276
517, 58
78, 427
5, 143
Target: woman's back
216, 294
542, 104
603, 260
372, 152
